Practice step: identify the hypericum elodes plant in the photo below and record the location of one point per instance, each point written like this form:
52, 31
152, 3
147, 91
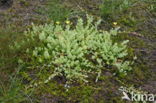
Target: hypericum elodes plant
72, 53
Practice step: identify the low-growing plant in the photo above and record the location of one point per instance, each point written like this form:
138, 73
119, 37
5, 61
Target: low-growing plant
71, 53
12, 91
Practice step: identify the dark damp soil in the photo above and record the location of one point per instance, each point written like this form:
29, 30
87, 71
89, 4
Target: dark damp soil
17, 15
4, 4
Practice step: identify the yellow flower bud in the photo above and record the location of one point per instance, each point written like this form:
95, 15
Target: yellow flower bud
67, 22
115, 23
57, 22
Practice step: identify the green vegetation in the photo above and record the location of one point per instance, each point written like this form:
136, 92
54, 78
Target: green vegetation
13, 92
72, 53
111, 9
76, 51
55, 11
